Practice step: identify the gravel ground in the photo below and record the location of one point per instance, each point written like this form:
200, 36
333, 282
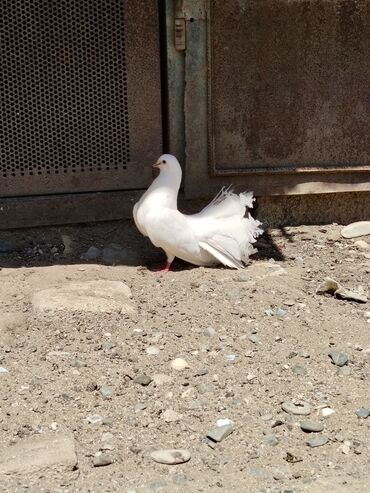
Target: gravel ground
190, 348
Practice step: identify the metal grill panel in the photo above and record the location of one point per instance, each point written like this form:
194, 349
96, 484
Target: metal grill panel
65, 95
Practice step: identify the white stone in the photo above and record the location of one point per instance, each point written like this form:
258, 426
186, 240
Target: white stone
86, 296
179, 364
362, 245
171, 416
327, 411
152, 350
354, 230
171, 456
223, 422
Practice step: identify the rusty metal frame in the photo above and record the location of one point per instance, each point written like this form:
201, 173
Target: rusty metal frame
201, 179
290, 168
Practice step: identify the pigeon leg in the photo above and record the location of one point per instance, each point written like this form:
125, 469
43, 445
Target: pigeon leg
167, 266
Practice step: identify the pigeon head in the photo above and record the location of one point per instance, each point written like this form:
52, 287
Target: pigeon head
168, 164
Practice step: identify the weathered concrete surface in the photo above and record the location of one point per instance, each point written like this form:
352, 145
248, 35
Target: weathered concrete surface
39, 452
87, 296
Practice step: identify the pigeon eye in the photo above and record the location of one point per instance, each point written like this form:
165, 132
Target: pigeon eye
164, 162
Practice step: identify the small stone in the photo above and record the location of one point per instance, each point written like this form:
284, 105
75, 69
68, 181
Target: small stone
223, 422
152, 350
143, 380
94, 419
279, 312
317, 441
140, 406
92, 253
327, 411
362, 245
3, 370
220, 433
202, 372
161, 379
231, 358
171, 456
171, 416
102, 459
300, 408
254, 338
338, 358
179, 364
289, 303
299, 370
209, 332
363, 413
312, 426
271, 439
105, 391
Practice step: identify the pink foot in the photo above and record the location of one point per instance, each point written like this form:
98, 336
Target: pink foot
165, 268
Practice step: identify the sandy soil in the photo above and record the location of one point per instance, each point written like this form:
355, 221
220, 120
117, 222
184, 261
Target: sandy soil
269, 344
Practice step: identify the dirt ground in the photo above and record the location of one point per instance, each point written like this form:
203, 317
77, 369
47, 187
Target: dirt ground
251, 339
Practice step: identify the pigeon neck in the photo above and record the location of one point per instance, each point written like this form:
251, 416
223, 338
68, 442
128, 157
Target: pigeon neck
166, 189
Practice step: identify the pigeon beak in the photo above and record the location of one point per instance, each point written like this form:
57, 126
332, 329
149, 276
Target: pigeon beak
156, 165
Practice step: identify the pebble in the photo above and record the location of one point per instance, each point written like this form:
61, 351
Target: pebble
106, 391
279, 312
209, 332
231, 358
254, 338
363, 412
140, 406
220, 432
271, 439
300, 408
94, 419
312, 426
102, 459
353, 230
327, 411
171, 416
171, 456
143, 380
317, 441
362, 245
223, 422
152, 350
92, 254
299, 370
161, 379
338, 358
3, 370
202, 372
179, 364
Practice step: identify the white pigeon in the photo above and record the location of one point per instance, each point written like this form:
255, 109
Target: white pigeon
220, 233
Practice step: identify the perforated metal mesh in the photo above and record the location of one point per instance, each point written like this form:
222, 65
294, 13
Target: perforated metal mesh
63, 87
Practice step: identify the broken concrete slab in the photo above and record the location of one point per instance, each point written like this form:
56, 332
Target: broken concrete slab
39, 452
86, 296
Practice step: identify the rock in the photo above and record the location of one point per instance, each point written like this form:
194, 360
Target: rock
223, 421
354, 230
299, 370
201, 372
102, 459
317, 441
6, 246
86, 296
179, 364
344, 371
231, 358
279, 312
331, 286
363, 413
253, 338
171, 456
38, 452
161, 379
3, 370
106, 391
327, 411
362, 245
338, 358
209, 332
300, 408
115, 254
312, 426
143, 380
94, 419
271, 439
152, 350
140, 406
92, 253
171, 416
220, 433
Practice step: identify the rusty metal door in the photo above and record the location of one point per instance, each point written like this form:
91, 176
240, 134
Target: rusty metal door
80, 95
287, 94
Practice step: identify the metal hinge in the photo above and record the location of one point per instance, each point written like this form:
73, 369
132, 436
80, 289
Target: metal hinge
180, 26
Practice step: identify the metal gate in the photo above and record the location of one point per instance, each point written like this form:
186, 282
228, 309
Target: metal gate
80, 95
